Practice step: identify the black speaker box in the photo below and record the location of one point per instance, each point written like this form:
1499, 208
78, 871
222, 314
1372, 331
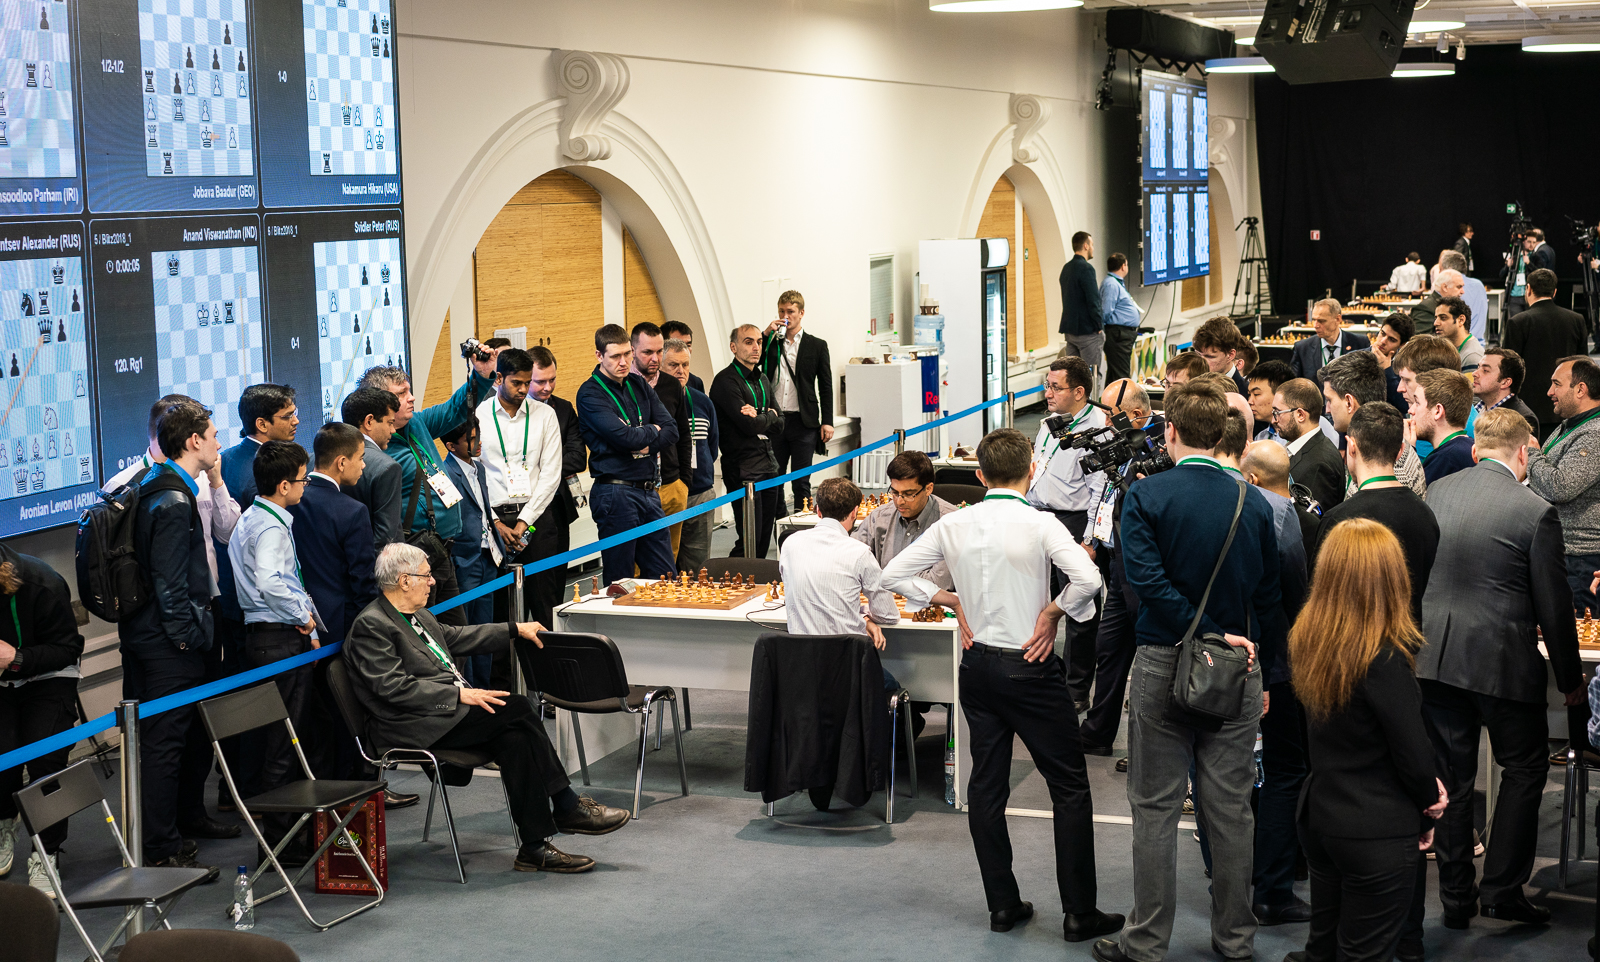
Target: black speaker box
1166, 38
1317, 41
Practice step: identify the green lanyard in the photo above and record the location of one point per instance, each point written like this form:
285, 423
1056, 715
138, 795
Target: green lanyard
1234, 471
1464, 340
690, 398
1501, 463
1005, 496
1557, 439
1070, 428
438, 652
416, 452
526, 422
1447, 439
752, 387
266, 506
1197, 459
626, 417
1375, 479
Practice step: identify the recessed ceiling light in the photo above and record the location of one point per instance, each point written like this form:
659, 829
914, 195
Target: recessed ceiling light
1424, 70
1239, 65
1245, 41
1568, 43
999, 6
1434, 26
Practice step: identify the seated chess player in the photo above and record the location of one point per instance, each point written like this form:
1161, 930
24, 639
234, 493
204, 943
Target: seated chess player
825, 573
406, 674
913, 509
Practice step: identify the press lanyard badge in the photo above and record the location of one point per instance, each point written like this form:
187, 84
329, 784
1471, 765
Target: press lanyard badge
439, 653
1102, 516
444, 488
519, 483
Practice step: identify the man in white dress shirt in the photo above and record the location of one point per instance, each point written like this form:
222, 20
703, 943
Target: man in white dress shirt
1409, 277
1000, 553
520, 448
825, 573
1061, 488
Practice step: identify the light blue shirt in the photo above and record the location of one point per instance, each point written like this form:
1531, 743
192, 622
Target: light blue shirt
266, 571
1477, 298
188, 482
1116, 304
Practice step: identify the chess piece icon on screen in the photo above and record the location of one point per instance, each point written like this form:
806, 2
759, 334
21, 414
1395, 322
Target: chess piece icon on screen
36, 455
364, 274
227, 312
369, 140
76, 307
358, 115
31, 69
311, 90
44, 19
205, 110
322, 325
241, 60
177, 82
386, 48
166, 161
20, 476
374, 23
216, 85
375, 46
4, 142
188, 56
61, 330
58, 274
51, 452
380, 140
346, 111
189, 77
150, 108
46, 77
216, 313
327, 166
215, 63
83, 470
385, 297
66, 444
205, 137
78, 386
50, 422
383, 273
227, 34
385, 23
244, 89
202, 315
333, 301
377, 115
369, 344
2, 103
27, 311
356, 329
37, 479
149, 81
44, 308
4, 461
233, 137
150, 130
177, 109
22, 453
172, 264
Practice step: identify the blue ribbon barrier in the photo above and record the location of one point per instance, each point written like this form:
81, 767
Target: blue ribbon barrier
96, 726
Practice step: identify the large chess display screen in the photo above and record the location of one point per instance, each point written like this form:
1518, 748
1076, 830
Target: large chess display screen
1174, 162
195, 196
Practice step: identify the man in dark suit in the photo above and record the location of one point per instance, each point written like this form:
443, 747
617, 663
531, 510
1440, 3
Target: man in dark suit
558, 518
801, 373
404, 671
1330, 341
1313, 460
1447, 283
1496, 382
1544, 334
748, 416
1082, 319
370, 412
1499, 575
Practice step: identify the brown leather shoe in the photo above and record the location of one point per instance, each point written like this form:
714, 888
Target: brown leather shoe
592, 818
545, 857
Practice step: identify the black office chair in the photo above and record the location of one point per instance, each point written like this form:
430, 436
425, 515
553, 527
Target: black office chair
33, 925
355, 719
1582, 759
960, 493
583, 673
756, 570
967, 476
51, 801
247, 710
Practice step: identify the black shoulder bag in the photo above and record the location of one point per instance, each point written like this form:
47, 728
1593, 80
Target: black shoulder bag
1208, 681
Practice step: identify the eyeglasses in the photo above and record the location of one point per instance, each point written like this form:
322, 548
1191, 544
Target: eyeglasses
297, 480
907, 495
1276, 412
424, 573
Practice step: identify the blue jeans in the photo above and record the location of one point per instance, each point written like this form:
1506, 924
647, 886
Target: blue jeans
1580, 573
470, 573
619, 507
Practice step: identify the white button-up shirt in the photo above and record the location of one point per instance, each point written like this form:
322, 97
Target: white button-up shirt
528, 440
825, 572
788, 395
218, 511
1408, 277
1060, 484
1000, 553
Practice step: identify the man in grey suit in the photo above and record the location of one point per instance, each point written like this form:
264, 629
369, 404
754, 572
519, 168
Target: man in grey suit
371, 411
1500, 573
405, 670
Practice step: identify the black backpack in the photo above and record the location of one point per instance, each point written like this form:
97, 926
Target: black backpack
111, 583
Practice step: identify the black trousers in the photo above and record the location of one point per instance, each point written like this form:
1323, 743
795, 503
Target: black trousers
1283, 760
174, 749
766, 516
795, 447
1114, 646
1518, 732
1361, 889
28, 713
529, 767
265, 643
1005, 697
551, 537
444, 588
1119, 351
1081, 635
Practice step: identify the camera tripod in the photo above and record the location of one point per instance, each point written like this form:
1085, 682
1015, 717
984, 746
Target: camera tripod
1252, 276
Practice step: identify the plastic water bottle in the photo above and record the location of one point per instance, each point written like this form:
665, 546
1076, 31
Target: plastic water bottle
1261, 773
243, 912
950, 769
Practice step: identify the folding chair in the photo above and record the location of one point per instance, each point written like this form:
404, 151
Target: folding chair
355, 719
258, 707
583, 673
50, 801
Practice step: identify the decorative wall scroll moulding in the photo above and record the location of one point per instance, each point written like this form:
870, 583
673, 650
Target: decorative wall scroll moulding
1028, 113
593, 83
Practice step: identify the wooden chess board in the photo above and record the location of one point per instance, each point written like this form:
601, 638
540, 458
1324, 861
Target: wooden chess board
659, 594
1588, 634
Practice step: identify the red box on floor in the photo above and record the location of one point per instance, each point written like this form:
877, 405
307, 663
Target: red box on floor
338, 870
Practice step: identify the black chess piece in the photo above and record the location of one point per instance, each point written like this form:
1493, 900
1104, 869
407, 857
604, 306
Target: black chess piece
363, 274
215, 63
241, 61
385, 297
369, 343
357, 328
44, 19
327, 167
75, 306
27, 304
61, 331
227, 34
15, 371
374, 23
177, 82
386, 48
188, 56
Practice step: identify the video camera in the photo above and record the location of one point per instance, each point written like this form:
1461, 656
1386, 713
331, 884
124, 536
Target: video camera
1109, 448
1520, 224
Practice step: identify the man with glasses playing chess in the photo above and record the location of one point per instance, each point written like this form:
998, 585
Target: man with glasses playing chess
912, 509
405, 670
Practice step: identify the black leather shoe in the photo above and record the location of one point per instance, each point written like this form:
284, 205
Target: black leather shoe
209, 827
1518, 909
1295, 910
393, 799
1104, 750
1108, 950
545, 857
1410, 952
1004, 919
1090, 925
592, 818
186, 860
1122, 764
1460, 920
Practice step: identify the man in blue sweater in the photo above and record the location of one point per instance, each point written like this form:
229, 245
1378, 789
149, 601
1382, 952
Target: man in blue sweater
411, 446
626, 428
1173, 528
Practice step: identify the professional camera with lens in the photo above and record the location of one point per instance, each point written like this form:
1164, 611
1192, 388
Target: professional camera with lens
1111, 447
474, 351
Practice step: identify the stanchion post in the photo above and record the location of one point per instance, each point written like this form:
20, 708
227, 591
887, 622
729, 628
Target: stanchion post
132, 802
519, 610
1011, 409
751, 539
899, 441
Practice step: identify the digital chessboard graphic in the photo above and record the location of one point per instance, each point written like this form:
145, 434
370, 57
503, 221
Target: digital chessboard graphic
37, 133
209, 339
195, 88
350, 87
47, 435
359, 316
